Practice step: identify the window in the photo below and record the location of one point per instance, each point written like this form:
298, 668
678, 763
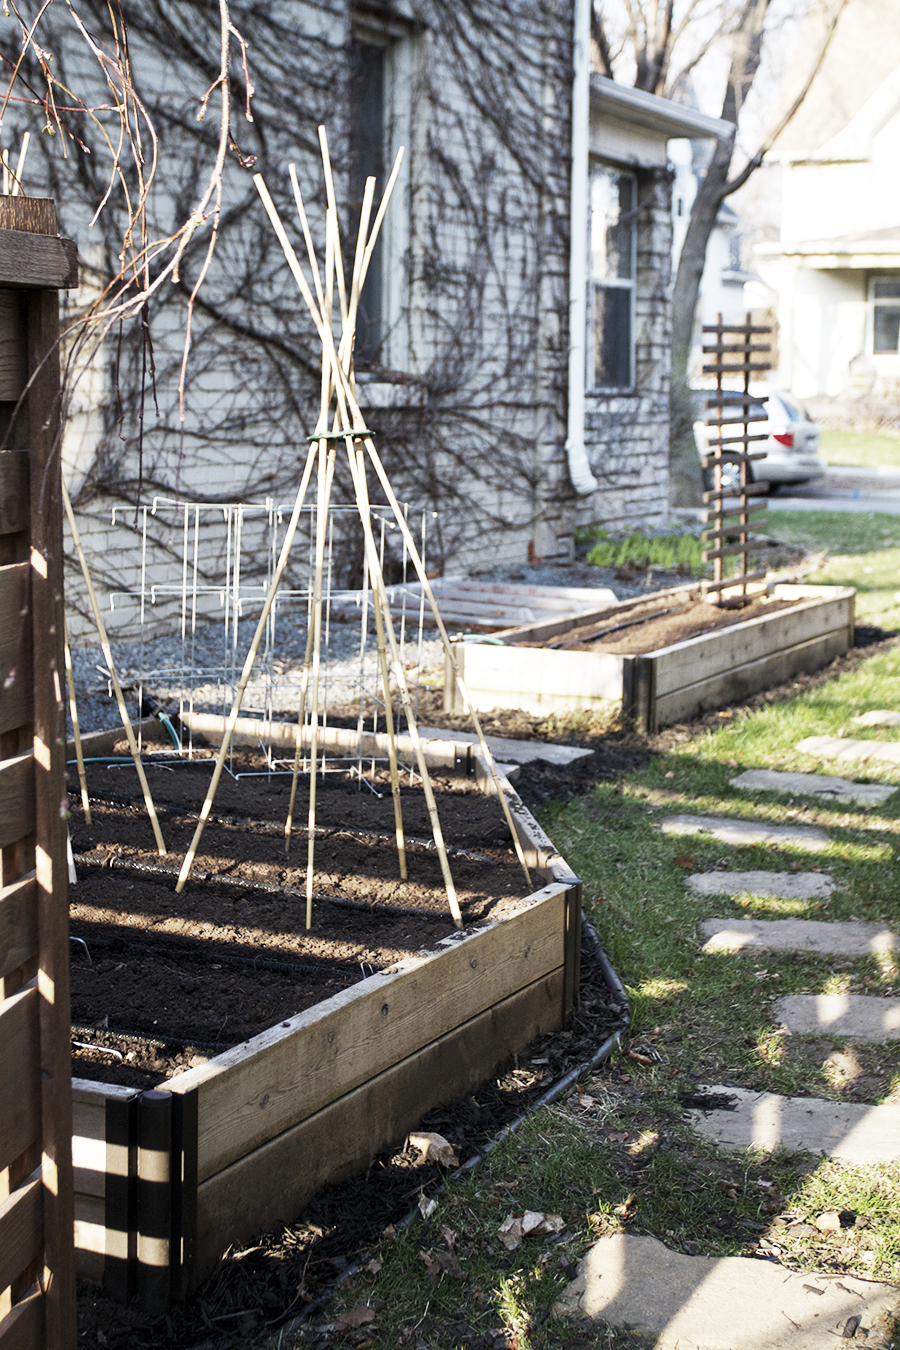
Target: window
612, 268
885, 297
367, 81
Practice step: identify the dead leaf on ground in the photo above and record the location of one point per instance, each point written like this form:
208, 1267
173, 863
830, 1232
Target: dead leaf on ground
442, 1263
627, 1207
374, 1265
533, 1223
355, 1317
435, 1148
636, 1056
829, 1222
427, 1206
683, 860
617, 1136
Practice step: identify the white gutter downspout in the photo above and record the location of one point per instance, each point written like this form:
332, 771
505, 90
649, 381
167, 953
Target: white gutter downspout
583, 481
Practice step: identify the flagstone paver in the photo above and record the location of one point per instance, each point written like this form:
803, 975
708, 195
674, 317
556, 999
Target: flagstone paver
516, 752
843, 747
814, 785
878, 717
849, 938
685, 1302
772, 885
852, 1133
746, 832
729, 1303
861, 1017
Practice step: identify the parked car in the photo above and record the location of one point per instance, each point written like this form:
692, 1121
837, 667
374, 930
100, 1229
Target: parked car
791, 446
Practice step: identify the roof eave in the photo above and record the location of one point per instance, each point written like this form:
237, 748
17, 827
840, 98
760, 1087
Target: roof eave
654, 113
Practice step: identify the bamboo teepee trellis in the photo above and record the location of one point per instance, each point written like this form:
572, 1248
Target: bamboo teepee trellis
341, 421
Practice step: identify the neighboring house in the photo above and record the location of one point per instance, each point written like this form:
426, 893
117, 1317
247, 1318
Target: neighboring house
514, 352
836, 270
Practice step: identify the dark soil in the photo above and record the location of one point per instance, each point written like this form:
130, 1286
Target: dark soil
658, 623
167, 980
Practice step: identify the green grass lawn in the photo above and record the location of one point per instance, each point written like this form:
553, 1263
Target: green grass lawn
862, 549
867, 449
618, 1154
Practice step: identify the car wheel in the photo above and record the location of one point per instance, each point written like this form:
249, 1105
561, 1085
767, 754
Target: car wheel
731, 478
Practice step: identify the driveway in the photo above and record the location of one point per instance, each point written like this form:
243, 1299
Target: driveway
844, 489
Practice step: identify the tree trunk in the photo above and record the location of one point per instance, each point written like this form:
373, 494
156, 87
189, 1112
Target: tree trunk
684, 465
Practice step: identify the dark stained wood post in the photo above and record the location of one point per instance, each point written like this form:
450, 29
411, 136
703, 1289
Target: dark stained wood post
37, 1284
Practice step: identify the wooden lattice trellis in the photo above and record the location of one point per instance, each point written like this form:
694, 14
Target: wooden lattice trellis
37, 1301
730, 415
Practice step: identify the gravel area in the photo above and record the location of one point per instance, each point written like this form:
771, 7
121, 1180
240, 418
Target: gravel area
206, 666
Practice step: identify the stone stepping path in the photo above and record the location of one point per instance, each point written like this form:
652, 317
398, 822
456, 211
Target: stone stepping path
850, 938
855, 1134
842, 747
683, 1302
878, 717
862, 1017
745, 832
725, 1303
814, 785
770, 885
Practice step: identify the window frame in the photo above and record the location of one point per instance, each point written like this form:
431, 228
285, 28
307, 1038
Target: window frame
872, 303
629, 284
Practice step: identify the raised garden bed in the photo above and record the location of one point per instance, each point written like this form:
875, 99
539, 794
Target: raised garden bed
658, 668
296, 1055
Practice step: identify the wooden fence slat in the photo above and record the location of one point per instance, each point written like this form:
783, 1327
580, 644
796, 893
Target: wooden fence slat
21, 1229
18, 925
20, 1095
52, 878
17, 806
23, 1327
260, 1089
14, 493
12, 348
16, 670
38, 261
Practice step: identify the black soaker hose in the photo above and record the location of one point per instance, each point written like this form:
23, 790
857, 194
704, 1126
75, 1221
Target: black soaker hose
603, 1052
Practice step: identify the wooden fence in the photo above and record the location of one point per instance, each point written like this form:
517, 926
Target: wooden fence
37, 1300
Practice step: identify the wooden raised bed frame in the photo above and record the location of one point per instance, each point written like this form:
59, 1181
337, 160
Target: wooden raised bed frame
673, 684
166, 1180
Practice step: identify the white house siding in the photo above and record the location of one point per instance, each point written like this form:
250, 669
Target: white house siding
628, 434
469, 406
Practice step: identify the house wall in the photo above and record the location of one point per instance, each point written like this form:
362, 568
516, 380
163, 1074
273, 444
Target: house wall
628, 434
469, 402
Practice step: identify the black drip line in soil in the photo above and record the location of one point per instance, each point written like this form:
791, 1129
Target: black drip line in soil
178, 947
374, 907
159, 1043
271, 827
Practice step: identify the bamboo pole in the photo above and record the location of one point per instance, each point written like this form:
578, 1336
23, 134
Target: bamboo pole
245, 676
76, 730
429, 594
301, 713
111, 667
345, 356
338, 377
